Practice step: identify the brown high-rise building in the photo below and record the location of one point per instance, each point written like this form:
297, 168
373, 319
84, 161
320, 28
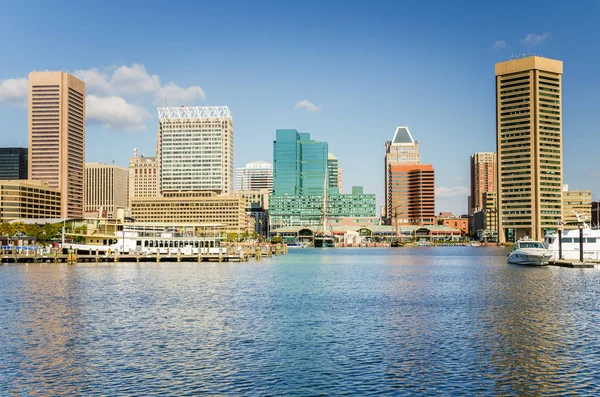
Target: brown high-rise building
401, 150
483, 178
412, 194
529, 143
57, 136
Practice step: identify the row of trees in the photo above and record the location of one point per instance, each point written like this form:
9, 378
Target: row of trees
44, 234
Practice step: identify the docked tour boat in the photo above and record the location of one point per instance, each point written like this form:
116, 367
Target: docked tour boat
149, 238
529, 252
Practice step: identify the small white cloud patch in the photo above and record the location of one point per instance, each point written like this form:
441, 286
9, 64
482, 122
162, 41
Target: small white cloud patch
307, 105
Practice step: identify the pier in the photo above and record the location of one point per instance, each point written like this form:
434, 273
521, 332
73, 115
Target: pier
574, 264
228, 254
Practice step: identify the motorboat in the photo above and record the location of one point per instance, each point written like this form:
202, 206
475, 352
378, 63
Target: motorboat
529, 252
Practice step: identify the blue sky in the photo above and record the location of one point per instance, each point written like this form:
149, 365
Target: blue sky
363, 67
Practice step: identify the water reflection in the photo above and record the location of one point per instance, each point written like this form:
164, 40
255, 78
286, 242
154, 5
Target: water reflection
456, 321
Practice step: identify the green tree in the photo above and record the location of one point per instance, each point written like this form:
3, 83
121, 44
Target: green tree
276, 239
6, 229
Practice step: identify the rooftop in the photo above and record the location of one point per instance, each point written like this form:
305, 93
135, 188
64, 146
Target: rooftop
194, 112
402, 136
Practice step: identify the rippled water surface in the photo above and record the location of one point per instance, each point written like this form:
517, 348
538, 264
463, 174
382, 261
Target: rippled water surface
405, 321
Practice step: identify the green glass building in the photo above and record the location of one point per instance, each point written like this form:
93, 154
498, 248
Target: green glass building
300, 166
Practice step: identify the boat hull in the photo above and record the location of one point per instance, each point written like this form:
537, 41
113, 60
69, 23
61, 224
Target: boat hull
326, 242
529, 257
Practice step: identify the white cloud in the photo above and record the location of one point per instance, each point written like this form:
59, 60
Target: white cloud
307, 105
114, 113
500, 44
452, 191
109, 90
175, 95
14, 91
534, 39
133, 80
96, 82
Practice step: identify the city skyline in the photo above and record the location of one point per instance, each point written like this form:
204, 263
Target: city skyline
347, 87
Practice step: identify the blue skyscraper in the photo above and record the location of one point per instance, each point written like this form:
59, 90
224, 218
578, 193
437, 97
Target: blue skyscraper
299, 164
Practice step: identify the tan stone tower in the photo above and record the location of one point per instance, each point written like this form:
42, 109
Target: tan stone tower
529, 146
57, 136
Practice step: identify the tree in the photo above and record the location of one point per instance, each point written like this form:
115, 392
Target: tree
6, 229
276, 240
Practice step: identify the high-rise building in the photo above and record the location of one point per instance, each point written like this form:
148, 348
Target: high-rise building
529, 146
13, 163
195, 149
576, 202
401, 150
299, 164
340, 179
412, 194
483, 178
57, 136
105, 190
26, 199
333, 173
254, 176
143, 177
300, 168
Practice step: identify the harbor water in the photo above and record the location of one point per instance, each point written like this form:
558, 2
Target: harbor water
356, 321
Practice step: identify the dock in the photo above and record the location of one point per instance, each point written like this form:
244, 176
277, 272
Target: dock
228, 254
573, 264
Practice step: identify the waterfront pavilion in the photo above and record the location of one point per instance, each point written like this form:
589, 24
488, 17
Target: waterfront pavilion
371, 233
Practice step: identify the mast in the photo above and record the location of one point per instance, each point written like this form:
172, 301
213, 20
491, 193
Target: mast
325, 203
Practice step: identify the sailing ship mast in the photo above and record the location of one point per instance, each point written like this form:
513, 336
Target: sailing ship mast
325, 203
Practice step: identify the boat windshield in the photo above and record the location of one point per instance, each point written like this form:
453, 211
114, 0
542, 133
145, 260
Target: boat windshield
530, 244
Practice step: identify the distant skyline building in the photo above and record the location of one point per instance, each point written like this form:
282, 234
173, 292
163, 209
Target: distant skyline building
333, 172
529, 147
412, 194
576, 202
300, 164
193, 207
401, 150
105, 190
483, 178
195, 149
26, 199
143, 177
57, 136
340, 180
254, 176
13, 163
300, 168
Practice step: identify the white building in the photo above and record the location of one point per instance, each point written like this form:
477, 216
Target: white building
255, 176
195, 149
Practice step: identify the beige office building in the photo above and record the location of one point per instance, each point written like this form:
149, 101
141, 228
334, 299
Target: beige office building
576, 202
195, 149
143, 177
105, 190
57, 136
529, 146
483, 178
26, 199
192, 207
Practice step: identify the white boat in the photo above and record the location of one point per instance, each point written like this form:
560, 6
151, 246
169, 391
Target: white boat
529, 252
571, 242
149, 239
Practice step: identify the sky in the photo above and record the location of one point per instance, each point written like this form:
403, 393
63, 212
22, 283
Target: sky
347, 72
